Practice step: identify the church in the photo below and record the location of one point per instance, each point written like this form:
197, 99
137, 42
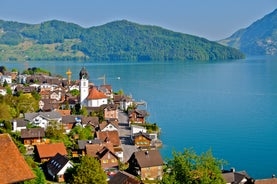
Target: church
90, 96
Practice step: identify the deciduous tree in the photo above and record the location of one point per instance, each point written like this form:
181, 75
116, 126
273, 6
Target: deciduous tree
89, 171
188, 167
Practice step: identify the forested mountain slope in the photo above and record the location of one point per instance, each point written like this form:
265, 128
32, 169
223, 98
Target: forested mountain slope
119, 40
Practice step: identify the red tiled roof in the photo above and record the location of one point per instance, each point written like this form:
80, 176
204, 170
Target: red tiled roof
13, 167
95, 94
50, 150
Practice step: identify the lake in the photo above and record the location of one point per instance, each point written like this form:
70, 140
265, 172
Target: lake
228, 106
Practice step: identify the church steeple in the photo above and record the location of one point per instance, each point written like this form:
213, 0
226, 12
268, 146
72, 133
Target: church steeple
83, 74
84, 86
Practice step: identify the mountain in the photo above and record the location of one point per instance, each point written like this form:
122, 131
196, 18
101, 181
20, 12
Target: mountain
119, 40
260, 38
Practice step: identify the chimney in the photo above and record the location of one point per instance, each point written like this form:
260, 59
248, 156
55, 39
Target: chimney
273, 175
233, 169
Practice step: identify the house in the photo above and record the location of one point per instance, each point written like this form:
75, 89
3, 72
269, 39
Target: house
109, 126
110, 112
80, 150
57, 166
107, 90
19, 124
90, 121
24, 89
142, 139
108, 159
3, 91
47, 105
44, 94
111, 136
70, 121
92, 147
103, 151
123, 177
136, 129
231, 176
32, 136
57, 95
96, 98
6, 78
42, 119
137, 116
147, 164
272, 180
13, 167
44, 152
123, 101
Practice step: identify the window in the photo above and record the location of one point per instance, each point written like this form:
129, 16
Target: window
105, 161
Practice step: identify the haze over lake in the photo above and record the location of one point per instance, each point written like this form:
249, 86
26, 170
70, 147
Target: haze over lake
228, 106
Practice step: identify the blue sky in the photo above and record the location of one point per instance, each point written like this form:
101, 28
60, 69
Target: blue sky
212, 19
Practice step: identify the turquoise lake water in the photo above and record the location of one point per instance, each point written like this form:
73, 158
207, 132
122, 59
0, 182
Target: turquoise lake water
230, 107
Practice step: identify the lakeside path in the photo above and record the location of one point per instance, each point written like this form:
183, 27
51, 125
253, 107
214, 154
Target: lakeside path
125, 136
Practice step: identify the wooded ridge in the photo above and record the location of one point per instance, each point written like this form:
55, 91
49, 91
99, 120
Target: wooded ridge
118, 40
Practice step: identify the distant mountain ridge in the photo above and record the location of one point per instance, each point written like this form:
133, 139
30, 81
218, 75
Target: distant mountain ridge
260, 38
118, 40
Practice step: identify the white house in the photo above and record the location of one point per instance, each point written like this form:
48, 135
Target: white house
136, 129
126, 102
42, 119
3, 91
109, 126
6, 78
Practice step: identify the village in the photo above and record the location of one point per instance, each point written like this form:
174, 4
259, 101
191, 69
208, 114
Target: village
120, 134
120, 138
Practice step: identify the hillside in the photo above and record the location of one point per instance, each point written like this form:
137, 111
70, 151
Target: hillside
260, 38
119, 40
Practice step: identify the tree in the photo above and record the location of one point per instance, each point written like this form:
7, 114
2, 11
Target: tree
84, 111
5, 112
188, 167
89, 171
75, 92
27, 103
40, 177
84, 133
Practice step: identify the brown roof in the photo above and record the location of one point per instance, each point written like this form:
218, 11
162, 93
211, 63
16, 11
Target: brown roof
95, 94
13, 167
63, 112
106, 123
123, 177
112, 136
93, 149
50, 150
267, 181
32, 133
94, 121
148, 158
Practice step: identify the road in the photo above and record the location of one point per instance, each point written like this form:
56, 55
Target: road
125, 136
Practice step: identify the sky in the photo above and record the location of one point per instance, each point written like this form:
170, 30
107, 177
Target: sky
211, 19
